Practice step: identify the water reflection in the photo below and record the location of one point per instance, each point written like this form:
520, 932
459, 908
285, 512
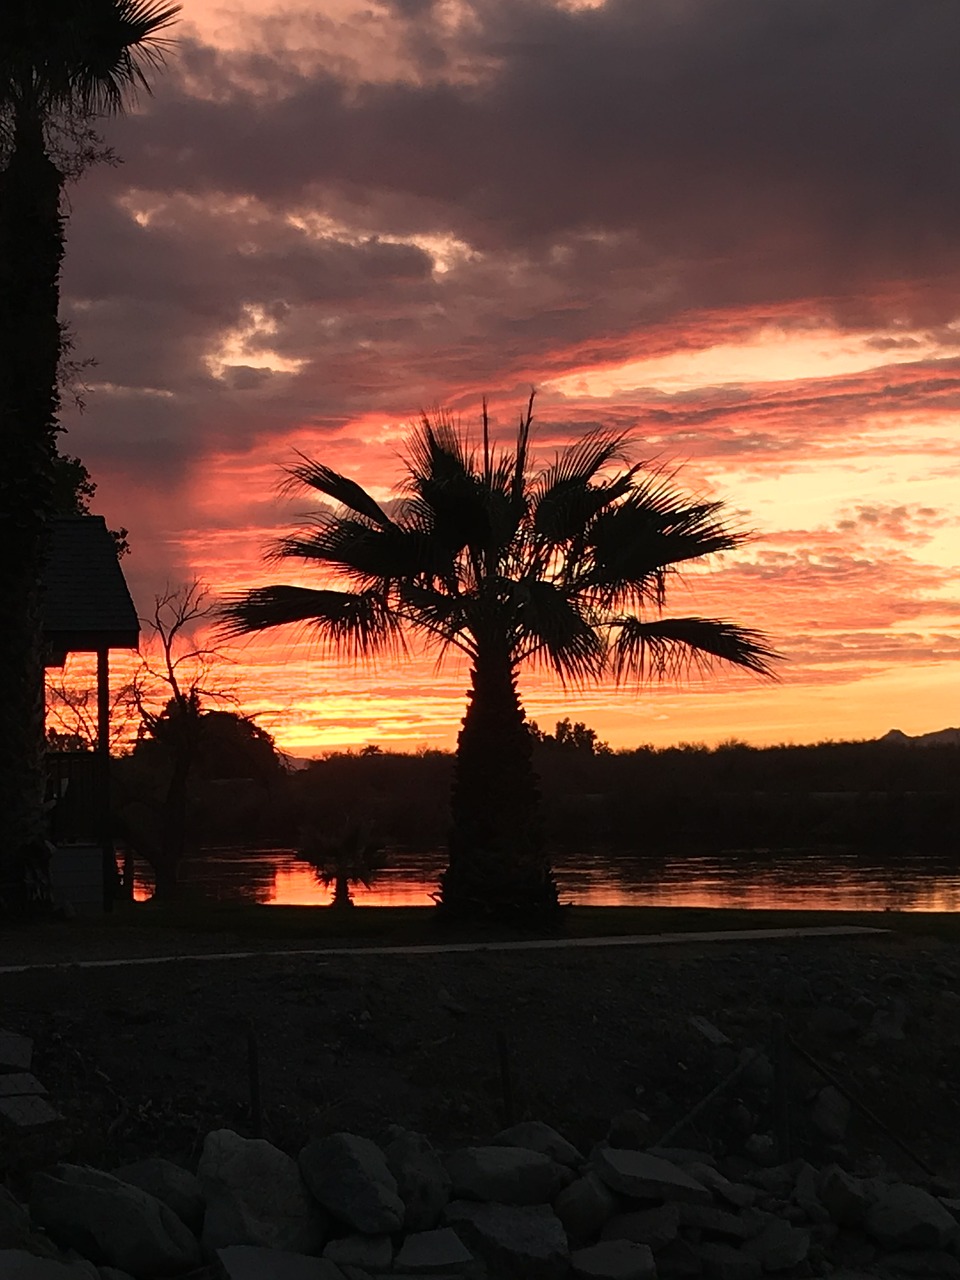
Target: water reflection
804, 880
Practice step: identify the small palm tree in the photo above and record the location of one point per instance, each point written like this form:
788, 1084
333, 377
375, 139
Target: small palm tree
353, 856
566, 566
60, 61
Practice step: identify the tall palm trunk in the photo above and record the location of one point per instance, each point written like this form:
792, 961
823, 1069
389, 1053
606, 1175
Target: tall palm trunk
31, 249
497, 863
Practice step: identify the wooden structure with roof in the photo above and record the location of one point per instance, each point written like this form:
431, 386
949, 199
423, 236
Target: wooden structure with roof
88, 609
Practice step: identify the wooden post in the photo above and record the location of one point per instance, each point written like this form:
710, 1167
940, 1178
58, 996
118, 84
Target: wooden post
108, 864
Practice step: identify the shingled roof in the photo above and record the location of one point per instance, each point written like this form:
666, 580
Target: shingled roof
86, 602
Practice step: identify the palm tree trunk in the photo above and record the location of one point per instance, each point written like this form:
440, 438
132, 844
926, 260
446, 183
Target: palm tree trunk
497, 862
31, 249
341, 892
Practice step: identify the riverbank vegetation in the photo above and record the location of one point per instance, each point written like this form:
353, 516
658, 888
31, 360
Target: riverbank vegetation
884, 797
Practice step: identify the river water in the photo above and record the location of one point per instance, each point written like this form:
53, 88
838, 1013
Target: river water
803, 879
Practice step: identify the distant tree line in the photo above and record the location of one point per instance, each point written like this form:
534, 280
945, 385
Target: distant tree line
874, 796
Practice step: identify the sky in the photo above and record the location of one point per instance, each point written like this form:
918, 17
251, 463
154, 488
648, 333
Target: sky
730, 228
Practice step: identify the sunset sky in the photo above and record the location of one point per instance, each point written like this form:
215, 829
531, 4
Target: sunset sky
730, 227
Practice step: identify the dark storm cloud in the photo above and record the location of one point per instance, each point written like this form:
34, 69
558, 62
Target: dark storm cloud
626, 180
748, 149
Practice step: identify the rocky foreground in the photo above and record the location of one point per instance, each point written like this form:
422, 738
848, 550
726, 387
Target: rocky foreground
528, 1206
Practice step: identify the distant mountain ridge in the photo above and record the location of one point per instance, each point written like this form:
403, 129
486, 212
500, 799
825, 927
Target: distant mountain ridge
939, 738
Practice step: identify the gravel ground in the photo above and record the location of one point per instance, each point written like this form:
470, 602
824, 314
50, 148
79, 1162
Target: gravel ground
147, 1060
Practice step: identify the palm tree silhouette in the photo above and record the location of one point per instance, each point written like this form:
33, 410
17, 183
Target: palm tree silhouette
61, 61
566, 566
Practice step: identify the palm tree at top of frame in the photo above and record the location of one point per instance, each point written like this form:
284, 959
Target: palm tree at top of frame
62, 63
566, 565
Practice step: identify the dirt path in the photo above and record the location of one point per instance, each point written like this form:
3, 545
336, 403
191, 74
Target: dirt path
452, 948
147, 1058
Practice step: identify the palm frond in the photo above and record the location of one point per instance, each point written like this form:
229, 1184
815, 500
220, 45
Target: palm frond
314, 475
448, 500
369, 557
80, 54
355, 623
668, 648
633, 545
552, 626
440, 614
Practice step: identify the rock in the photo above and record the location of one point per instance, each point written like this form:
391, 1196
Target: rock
762, 1148
709, 1031
177, 1188
447, 1001
431, 1252
852, 1248
516, 1242
14, 1222
111, 1222
18, 1264
678, 1259
723, 1262
251, 1262
830, 1114
713, 1221
653, 1227
613, 1260
374, 1253
16, 1051
683, 1156
28, 1112
779, 1246
630, 1130
255, 1196
738, 1194
805, 1193
507, 1175
536, 1136
113, 1273
832, 1023
423, 1184
888, 1024
777, 1180
844, 1197
906, 1217
18, 1083
585, 1206
635, 1173
350, 1177
934, 1263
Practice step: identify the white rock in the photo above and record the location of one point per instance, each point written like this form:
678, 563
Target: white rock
430, 1252
250, 1262
255, 1196
613, 1260
906, 1217
536, 1136
585, 1206
177, 1188
516, 1242
505, 1175
119, 1224
350, 1177
423, 1184
373, 1253
17, 1264
635, 1173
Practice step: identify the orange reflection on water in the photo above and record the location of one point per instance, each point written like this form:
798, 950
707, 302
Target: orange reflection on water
805, 881
297, 886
